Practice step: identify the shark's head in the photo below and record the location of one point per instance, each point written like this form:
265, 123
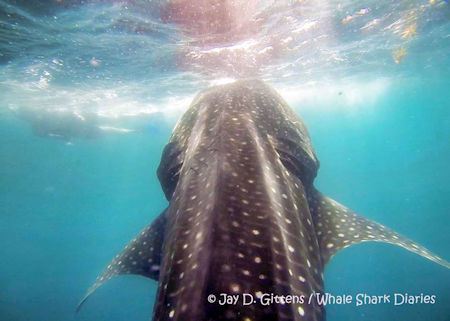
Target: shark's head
258, 107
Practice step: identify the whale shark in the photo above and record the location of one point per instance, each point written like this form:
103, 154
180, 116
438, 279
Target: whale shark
244, 218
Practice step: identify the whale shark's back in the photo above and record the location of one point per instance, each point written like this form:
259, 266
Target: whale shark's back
236, 173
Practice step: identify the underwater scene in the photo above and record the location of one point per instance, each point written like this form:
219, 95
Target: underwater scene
93, 91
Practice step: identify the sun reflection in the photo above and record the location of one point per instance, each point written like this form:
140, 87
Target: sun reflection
222, 81
398, 55
345, 95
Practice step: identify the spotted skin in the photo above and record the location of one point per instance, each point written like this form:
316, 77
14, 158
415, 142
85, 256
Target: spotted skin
337, 227
141, 256
243, 215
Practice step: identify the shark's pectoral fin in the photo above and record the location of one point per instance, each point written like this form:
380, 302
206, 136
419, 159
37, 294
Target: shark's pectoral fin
338, 227
141, 256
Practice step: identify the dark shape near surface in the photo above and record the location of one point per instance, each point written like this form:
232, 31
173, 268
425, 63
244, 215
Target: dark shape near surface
60, 124
243, 214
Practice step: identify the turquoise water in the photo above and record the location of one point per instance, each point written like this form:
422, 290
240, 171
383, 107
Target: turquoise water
89, 94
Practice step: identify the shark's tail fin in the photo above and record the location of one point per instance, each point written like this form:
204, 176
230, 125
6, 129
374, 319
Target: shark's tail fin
141, 256
338, 227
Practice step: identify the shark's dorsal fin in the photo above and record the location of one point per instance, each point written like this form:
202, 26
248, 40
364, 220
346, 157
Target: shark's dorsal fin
337, 227
141, 256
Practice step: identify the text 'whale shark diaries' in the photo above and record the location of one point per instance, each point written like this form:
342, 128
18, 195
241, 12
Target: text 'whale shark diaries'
243, 214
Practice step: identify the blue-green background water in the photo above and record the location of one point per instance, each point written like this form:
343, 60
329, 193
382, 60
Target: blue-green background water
68, 205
